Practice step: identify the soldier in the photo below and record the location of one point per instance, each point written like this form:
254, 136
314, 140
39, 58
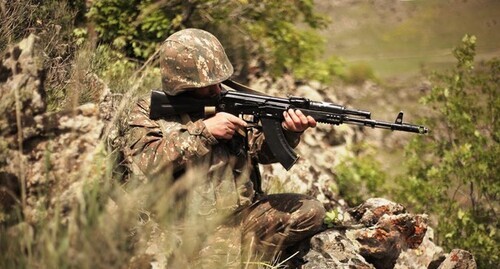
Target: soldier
194, 61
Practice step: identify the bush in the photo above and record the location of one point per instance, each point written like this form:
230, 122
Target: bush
453, 172
360, 177
264, 30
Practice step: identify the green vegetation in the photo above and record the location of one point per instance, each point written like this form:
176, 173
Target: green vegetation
263, 30
452, 173
119, 39
360, 177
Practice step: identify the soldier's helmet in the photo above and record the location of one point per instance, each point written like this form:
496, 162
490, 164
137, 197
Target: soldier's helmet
192, 58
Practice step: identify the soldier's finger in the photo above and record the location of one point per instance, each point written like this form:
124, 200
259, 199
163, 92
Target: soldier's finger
230, 125
303, 119
227, 133
289, 123
312, 121
237, 121
294, 116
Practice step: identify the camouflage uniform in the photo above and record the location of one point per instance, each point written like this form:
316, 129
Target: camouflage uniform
179, 143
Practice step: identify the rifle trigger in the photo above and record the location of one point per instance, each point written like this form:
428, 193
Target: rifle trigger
399, 118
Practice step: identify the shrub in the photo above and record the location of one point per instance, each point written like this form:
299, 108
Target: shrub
264, 30
453, 172
360, 177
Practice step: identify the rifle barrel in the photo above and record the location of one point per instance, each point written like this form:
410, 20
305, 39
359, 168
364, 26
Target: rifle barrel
387, 125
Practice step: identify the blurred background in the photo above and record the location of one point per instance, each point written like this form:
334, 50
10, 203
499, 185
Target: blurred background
403, 38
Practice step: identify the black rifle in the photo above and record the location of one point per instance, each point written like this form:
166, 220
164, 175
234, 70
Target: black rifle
253, 106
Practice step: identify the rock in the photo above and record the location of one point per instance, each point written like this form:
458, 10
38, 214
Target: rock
47, 157
378, 231
381, 234
370, 212
459, 259
426, 254
333, 249
21, 87
309, 92
382, 243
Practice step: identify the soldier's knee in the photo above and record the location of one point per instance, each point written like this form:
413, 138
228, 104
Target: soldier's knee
312, 214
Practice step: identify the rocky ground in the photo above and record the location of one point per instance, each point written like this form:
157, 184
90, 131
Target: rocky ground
41, 152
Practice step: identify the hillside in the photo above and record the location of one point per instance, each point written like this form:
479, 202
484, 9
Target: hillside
403, 38
403, 42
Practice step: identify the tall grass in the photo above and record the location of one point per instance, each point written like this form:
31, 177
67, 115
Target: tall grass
133, 225
111, 223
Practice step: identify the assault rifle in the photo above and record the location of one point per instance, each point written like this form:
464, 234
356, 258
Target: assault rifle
254, 107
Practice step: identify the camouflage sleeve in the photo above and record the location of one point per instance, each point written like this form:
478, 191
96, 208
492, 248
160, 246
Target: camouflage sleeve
260, 149
153, 145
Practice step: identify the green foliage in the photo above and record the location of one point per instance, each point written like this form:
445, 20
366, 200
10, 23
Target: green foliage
454, 170
117, 71
135, 27
323, 71
334, 217
266, 30
360, 177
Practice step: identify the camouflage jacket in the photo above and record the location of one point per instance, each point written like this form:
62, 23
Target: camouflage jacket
173, 144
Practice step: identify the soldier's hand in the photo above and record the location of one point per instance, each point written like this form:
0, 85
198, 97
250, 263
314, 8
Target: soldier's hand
296, 121
223, 125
